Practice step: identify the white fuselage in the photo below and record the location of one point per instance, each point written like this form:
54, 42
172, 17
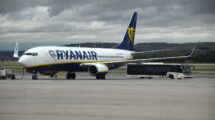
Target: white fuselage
53, 55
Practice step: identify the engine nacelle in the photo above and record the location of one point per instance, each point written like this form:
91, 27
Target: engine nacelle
97, 68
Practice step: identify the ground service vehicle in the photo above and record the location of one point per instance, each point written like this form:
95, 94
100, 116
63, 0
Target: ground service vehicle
172, 71
7, 73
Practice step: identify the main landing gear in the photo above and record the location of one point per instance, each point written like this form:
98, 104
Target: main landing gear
100, 76
70, 75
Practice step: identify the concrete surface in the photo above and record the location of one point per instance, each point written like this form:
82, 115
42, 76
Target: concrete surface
116, 99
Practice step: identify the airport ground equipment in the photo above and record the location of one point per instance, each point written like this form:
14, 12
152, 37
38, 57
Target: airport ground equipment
7, 73
146, 70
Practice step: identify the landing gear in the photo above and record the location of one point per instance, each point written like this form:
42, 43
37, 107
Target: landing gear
100, 76
70, 75
34, 76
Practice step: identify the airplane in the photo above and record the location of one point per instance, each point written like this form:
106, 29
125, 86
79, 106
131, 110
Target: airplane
49, 60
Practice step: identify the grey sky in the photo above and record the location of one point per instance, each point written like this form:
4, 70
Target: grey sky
75, 21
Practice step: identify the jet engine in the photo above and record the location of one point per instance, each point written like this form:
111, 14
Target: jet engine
96, 68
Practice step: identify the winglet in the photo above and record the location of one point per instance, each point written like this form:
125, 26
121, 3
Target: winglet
194, 50
16, 51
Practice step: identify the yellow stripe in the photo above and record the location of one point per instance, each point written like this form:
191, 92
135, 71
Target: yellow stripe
104, 71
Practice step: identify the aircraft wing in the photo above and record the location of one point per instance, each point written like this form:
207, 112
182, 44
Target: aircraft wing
151, 51
156, 59
168, 58
112, 64
160, 59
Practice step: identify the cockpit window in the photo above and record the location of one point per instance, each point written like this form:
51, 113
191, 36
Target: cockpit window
32, 54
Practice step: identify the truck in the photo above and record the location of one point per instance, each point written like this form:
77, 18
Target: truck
7, 73
148, 70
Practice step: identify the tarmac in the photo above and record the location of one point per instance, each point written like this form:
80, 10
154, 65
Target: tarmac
117, 98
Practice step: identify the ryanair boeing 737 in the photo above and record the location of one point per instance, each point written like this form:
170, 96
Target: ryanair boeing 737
49, 60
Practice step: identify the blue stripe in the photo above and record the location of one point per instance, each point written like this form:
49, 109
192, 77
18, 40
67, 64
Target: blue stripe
72, 67
59, 67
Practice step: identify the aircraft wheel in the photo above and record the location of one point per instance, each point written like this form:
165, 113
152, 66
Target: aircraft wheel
100, 76
103, 76
73, 75
70, 75
34, 77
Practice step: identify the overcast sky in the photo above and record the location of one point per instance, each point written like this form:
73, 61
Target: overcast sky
75, 21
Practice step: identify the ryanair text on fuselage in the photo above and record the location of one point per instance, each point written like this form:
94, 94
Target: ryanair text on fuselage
75, 55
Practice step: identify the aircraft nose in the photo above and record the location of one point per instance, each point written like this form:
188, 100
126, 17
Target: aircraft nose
22, 61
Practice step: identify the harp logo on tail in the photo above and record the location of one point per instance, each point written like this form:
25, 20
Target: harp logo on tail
131, 33
128, 40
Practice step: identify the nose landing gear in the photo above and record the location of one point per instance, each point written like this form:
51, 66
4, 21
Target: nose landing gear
34, 76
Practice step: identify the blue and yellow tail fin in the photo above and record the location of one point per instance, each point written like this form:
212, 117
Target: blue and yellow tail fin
128, 40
